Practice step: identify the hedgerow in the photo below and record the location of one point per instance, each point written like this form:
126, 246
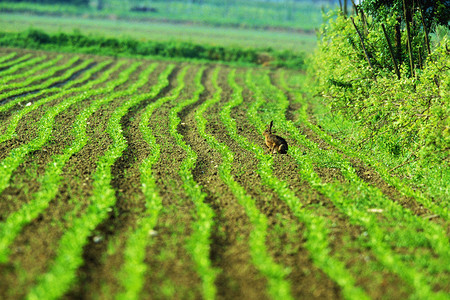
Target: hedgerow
404, 111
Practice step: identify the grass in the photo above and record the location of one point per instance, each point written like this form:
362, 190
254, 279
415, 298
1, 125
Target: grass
300, 15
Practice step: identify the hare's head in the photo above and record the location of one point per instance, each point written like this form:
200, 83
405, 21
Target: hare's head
268, 130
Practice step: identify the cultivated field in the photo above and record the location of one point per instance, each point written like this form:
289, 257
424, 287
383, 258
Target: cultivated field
127, 178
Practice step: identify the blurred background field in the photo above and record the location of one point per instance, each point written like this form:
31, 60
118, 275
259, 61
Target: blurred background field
162, 31
275, 33
281, 25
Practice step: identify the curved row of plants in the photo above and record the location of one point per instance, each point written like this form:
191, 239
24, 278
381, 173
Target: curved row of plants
27, 85
278, 286
199, 242
7, 57
11, 60
132, 273
22, 65
30, 72
15, 221
9, 133
316, 230
68, 259
367, 198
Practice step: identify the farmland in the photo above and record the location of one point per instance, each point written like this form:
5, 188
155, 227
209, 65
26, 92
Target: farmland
134, 178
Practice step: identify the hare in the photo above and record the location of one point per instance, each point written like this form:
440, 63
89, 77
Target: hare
275, 143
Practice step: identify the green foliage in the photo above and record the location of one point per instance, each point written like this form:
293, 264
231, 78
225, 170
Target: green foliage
407, 115
436, 12
77, 42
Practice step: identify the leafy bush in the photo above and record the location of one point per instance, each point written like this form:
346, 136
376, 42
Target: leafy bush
408, 112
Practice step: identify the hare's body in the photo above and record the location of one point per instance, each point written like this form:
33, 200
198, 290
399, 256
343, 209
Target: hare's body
275, 143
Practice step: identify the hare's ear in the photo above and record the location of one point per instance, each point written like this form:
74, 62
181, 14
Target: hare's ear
270, 126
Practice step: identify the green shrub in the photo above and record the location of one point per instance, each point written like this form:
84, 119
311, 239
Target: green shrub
408, 115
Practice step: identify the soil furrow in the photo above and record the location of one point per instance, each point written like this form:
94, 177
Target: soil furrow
171, 272
129, 206
285, 238
230, 249
68, 204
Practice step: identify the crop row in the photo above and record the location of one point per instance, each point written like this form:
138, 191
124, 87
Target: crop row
31, 71
8, 63
23, 65
389, 236
316, 230
69, 254
12, 226
279, 287
6, 57
57, 94
369, 198
134, 268
25, 86
199, 241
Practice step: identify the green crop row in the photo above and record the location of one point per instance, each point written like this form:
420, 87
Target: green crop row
86, 75
133, 270
7, 57
22, 65
29, 72
371, 197
442, 210
62, 273
199, 241
16, 117
15, 61
317, 233
45, 125
51, 179
26, 85
433, 233
279, 287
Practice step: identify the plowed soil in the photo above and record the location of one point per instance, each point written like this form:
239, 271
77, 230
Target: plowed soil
171, 272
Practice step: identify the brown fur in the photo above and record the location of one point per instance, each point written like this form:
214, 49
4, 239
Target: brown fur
275, 143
